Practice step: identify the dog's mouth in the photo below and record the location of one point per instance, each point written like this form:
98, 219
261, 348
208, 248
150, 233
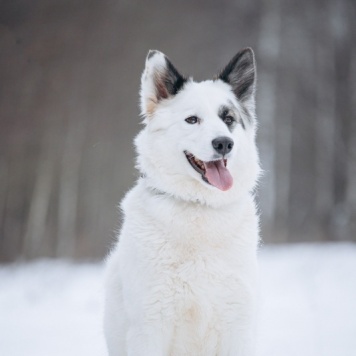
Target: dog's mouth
213, 172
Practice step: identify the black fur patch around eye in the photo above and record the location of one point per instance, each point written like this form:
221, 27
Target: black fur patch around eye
225, 111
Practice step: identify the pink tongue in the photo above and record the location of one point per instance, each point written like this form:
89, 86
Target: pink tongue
217, 175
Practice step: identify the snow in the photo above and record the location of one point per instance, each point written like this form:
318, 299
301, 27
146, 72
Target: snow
308, 300
307, 304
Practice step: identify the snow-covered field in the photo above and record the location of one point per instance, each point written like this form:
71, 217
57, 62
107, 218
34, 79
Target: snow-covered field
307, 308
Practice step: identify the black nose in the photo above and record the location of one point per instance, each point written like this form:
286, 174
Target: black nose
223, 145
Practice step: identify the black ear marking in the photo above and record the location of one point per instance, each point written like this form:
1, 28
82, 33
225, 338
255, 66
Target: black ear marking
174, 80
240, 73
160, 80
151, 53
169, 81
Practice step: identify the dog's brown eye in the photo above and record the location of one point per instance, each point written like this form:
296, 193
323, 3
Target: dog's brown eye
191, 120
229, 120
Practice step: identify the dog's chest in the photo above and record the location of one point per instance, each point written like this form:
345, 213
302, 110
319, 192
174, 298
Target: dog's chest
200, 264
200, 285
195, 269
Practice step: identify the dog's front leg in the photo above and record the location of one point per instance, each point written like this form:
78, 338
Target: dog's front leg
239, 342
146, 340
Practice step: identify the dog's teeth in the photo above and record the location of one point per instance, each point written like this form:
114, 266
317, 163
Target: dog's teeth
197, 162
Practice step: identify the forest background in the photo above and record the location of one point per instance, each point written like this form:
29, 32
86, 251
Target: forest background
69, 81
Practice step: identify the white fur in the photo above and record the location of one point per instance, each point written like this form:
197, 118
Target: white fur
182, 278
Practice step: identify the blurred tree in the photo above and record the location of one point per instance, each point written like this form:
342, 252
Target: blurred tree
69, 81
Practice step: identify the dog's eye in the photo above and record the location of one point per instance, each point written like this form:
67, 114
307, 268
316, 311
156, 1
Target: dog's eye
229, 120
191, 120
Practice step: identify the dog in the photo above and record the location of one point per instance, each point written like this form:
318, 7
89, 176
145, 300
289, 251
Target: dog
182, 278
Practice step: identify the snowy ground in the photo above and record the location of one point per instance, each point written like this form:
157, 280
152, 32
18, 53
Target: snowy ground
308, 305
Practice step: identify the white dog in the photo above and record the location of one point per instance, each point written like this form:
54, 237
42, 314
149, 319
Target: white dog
182, 277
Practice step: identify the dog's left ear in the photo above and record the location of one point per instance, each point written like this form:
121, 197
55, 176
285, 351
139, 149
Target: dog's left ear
240, 74
160, 80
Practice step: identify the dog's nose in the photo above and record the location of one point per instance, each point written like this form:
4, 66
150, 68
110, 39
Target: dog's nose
223, 145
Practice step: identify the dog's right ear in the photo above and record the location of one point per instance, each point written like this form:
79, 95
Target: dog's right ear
160, 80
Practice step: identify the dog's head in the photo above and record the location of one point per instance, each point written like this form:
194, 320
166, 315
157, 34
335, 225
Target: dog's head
199, 138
